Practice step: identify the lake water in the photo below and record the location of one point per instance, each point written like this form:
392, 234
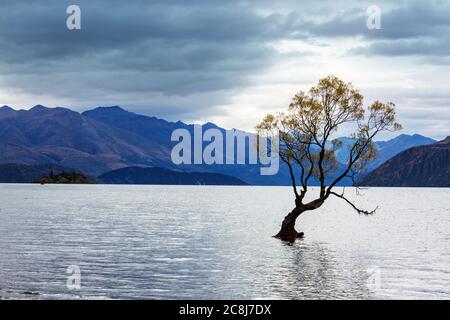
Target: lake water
206, 242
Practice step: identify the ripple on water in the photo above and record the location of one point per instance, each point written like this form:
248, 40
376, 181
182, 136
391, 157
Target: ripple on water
134, 242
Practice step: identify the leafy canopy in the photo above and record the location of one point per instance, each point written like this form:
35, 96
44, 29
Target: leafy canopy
306, 129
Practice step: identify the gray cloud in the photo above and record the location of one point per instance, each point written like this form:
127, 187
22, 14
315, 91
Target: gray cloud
138, 49
179, 47
419, 28
172, 48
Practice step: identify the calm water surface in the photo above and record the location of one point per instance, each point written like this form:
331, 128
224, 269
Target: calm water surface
200, 242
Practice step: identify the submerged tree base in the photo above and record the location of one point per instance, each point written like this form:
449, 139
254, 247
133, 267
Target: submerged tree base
287, 231
289, 235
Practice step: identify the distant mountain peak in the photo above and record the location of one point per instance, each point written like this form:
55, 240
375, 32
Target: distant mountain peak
408, 136
6, 108
209, 125
418, 138
109, 109
39, 108
118, 113
113, 108
7, 111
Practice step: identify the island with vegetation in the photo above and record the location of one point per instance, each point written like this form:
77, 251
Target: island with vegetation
71, 177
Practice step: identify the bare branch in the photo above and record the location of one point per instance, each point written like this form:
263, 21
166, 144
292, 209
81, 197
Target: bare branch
291, 171
353, 206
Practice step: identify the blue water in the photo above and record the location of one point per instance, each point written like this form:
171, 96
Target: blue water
205, 242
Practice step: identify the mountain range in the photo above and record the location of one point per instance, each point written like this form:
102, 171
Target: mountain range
161, 176
421, 166
110, 138
386, 149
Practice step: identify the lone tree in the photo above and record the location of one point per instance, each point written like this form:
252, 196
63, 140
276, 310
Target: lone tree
309, 151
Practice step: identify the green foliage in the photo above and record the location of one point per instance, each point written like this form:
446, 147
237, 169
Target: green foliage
64, 178
306, 132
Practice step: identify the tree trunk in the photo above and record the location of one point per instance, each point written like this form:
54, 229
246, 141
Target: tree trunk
288, 232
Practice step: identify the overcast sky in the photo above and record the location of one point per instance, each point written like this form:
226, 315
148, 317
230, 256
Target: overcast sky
229, 62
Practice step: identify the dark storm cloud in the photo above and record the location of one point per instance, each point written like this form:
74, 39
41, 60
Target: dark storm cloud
133, 51
169, 47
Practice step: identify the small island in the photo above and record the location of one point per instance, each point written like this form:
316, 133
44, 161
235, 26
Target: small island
72, 177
